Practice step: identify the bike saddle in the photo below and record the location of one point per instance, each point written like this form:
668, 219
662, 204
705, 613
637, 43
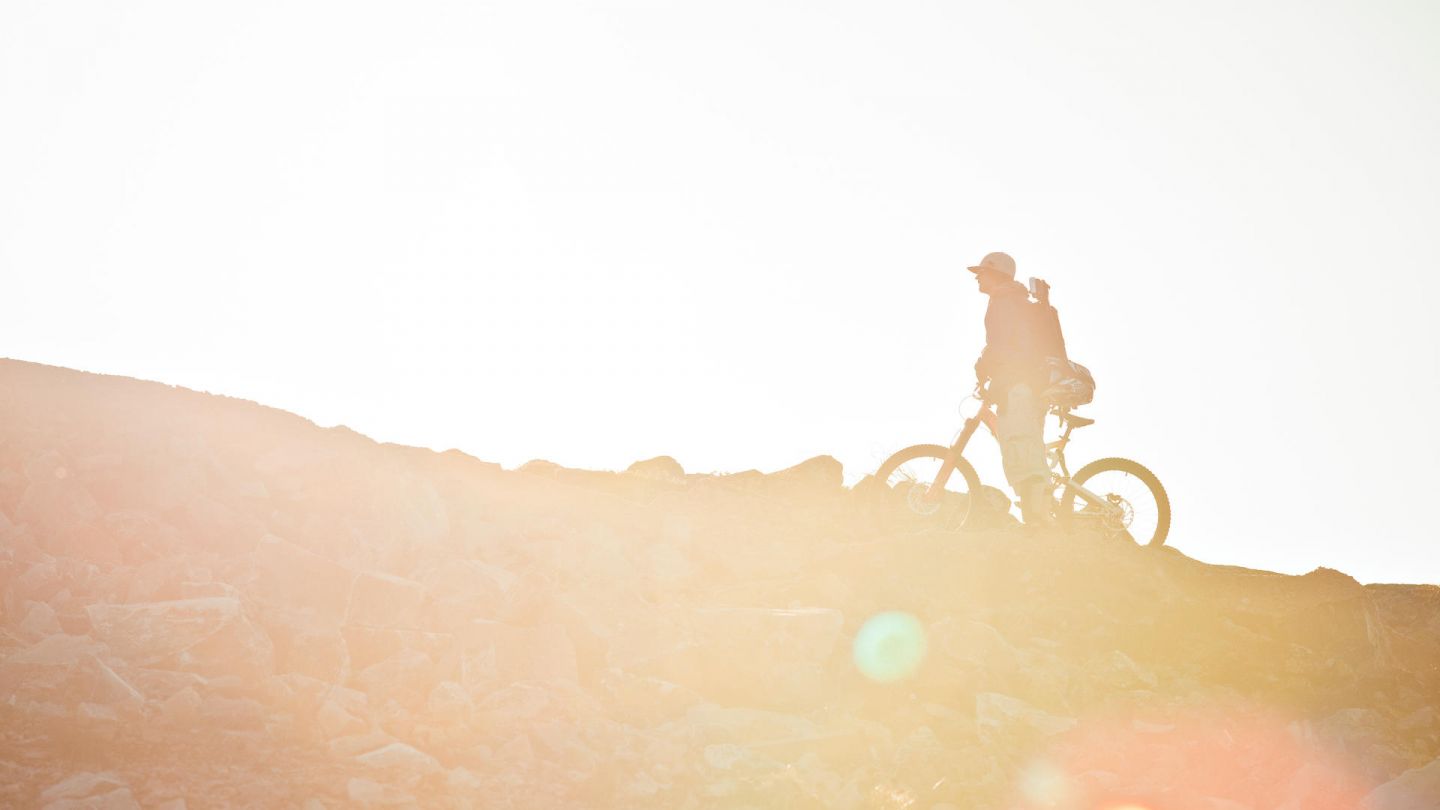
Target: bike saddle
1078, 421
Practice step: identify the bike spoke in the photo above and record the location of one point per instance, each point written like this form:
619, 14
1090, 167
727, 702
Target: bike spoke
912, 481
1127, 510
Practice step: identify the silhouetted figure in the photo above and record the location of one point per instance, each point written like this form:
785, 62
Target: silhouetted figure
1014, 364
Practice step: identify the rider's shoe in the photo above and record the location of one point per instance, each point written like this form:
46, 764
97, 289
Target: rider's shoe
1036, 505
1038, 521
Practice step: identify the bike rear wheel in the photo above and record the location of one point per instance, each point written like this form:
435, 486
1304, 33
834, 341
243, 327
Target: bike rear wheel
909, 474
1133, 503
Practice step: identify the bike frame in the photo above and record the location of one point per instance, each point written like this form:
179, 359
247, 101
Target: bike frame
1054, 456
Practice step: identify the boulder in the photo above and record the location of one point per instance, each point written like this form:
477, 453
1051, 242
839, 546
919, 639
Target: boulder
334, 720
1004, 719
540, 466
182, 709
1106, 679
1317, 783
40, 620
757, 736
400, 763
396, 720
139, 534
156, 580
307, 644
708, 723
666, 568
732, 757
102, 721
922, 760
976, 646
219, 712
297, 579
159, 684
464, 781
800, 635
445, 725
208, 636
207, 588
1116, 671
817, 475
1363, 738
382, 600
68, 670
765, 657
39, 581
368, 646
450, 703
369, 793
663, 469
58, 507
462, 591
1325, 613
407, 678
1415, 789
353, 745
643, 701
96, 791
542, 653
514, 709
219, 526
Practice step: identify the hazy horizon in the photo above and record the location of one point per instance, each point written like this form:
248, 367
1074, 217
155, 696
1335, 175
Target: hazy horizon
596, 233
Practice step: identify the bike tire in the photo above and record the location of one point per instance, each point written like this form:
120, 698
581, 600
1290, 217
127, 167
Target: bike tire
957, 515
1143, 474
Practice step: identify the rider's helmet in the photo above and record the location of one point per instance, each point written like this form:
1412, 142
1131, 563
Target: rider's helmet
1071, 384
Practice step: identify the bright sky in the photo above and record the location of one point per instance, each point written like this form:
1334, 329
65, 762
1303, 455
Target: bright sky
735, 232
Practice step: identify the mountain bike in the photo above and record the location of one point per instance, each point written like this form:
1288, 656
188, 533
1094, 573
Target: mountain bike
1114, 496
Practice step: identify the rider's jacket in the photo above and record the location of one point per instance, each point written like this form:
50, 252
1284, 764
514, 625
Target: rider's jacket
1014, 350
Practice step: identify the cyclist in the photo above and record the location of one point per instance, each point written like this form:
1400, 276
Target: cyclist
1013, 363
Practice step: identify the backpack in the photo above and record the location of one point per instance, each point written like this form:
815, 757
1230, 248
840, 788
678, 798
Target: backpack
1070, 384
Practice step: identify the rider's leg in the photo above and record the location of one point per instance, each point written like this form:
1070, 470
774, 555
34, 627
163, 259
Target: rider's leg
1037, 502
1020, 428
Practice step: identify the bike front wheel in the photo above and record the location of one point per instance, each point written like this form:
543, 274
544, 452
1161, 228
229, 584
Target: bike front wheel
1121, 498
909, 474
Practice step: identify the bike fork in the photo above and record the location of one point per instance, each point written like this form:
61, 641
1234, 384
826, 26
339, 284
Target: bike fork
932, 495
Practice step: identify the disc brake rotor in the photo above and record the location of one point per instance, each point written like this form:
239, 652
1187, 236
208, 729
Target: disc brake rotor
1120, 514
915, 499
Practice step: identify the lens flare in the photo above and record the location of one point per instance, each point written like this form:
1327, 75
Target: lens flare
890, 646
1044, 785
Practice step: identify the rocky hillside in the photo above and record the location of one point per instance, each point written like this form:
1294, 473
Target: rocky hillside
209, 603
